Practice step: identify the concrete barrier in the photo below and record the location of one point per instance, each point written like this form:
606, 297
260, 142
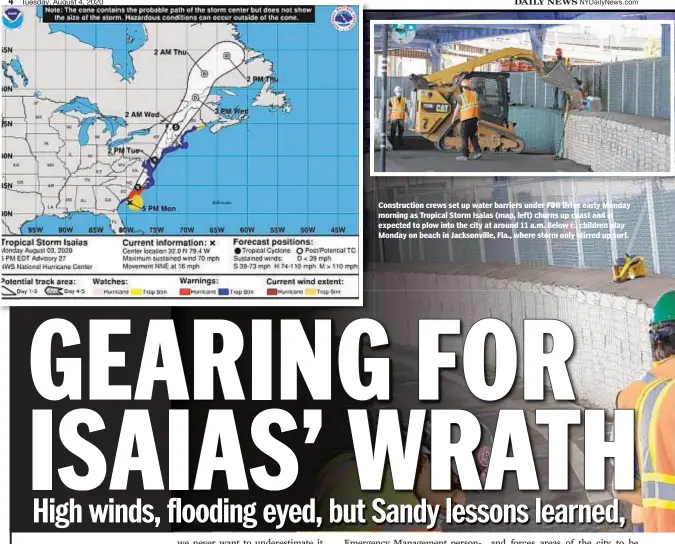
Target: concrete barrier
615, 142
609, 321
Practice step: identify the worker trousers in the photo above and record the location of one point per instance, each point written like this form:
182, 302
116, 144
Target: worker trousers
396, 134
557, 92
469, 132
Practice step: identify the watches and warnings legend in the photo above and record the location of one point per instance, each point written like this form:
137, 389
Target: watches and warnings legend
179, 268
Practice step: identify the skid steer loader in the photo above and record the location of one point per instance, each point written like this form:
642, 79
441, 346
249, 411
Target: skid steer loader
435, 97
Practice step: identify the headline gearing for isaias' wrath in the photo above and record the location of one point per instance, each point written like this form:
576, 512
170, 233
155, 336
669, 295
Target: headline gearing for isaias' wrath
313, 362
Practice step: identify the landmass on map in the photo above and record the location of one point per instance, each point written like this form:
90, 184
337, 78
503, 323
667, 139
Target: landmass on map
118, 102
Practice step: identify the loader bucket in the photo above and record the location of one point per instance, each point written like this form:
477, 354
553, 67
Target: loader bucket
557, 75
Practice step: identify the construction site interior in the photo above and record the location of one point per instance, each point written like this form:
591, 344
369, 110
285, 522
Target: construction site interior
602, 106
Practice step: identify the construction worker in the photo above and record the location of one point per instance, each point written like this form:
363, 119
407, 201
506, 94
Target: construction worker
653, 399
559, 57
468, 110
340, 481
398, 113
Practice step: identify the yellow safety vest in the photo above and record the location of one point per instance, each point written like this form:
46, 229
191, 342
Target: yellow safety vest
398, 107
655, 429
469, 107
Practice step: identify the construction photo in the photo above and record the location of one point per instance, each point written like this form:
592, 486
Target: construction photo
550, 97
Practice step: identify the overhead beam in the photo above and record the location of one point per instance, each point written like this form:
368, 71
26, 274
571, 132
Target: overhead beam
424, 39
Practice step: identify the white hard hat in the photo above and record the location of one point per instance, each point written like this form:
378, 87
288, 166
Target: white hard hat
397, 89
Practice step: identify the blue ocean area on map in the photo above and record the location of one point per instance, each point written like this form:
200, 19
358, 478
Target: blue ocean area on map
291, 170
149, 165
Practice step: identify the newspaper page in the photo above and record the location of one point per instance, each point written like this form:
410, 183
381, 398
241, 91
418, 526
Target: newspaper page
502, 375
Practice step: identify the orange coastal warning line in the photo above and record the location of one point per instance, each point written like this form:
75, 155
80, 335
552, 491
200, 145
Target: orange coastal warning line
135, 200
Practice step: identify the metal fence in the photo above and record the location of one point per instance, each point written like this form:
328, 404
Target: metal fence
637, 87
639, 220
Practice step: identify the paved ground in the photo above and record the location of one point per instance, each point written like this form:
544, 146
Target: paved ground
419, 155
416, 161
455, 394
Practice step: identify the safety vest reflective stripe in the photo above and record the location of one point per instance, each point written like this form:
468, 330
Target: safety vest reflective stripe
658, 488
658, 495
659, 478
398, 108
469, 107
648, 378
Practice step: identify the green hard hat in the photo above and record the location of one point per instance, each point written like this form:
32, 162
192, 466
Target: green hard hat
664, 310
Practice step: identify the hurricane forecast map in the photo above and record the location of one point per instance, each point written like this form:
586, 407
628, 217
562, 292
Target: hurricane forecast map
200, 153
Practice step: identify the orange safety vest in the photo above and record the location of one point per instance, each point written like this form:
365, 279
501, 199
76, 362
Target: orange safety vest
628, 399
469, 107
656, 451
398, 107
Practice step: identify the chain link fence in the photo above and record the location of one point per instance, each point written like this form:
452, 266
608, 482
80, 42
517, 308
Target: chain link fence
636, 87
635, 217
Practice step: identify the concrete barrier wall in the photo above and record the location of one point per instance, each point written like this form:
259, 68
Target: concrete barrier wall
603, 141
609, 321
616, 142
